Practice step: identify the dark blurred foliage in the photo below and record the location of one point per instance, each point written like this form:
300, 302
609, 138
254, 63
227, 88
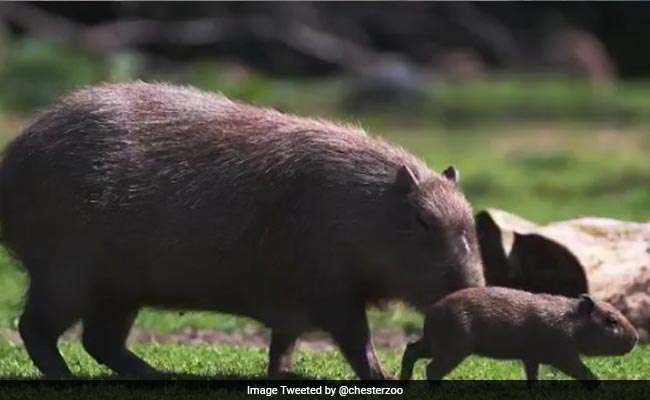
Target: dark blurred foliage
452, 61
303, 38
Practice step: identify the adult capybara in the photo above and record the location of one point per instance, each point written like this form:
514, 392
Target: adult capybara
130, 195
512, 324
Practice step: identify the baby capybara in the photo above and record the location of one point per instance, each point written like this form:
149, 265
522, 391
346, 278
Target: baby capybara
130, 195
506, 323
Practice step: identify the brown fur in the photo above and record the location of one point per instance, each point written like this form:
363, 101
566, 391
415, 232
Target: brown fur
505, 323
130, 195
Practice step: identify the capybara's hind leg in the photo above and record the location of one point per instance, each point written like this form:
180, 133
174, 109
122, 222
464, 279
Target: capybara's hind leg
105, 330
48, 312
280, 352
348, 325
414, 351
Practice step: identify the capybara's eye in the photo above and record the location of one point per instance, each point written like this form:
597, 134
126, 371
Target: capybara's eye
465, 244
609, 321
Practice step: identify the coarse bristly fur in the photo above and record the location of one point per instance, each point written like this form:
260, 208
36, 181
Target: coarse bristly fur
129, 195
506, 323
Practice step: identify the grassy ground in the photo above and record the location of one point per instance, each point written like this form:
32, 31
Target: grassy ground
246, 363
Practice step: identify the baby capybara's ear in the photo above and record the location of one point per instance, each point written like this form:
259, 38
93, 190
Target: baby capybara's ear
585, 304
451, 173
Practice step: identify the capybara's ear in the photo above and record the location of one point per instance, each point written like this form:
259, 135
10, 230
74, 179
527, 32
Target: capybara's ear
405, 180
585, 304
451, 173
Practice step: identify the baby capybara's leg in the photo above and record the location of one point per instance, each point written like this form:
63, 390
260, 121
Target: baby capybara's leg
348, 325
446, 357
573, 366
413, 352
50, 309
105, 330
280, 351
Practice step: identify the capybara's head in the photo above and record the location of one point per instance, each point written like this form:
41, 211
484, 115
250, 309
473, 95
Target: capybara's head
437, 250
601, 329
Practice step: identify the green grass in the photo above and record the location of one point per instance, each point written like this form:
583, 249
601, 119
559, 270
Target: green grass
544, 172
539, 98
247, 363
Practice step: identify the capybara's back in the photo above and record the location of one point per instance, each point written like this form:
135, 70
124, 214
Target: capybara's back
127, 195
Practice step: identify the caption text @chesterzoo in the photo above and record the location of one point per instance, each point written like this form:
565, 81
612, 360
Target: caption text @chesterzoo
323, 390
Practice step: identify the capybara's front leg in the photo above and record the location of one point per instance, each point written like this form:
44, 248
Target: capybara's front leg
445, 359
348, 325
280, 352
413, 352
531, 369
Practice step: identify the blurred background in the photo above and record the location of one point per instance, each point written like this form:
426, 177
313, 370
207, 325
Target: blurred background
535, 102
543, 107
452, 61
